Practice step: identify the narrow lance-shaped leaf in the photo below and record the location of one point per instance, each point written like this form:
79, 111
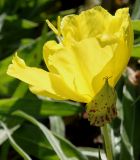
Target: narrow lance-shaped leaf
14, 144
50, 137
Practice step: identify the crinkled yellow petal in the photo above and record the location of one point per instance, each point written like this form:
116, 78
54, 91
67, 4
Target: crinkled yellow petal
96, 22
117, 64
50, 48
88, 24
78, 64
125, 29
118, 22
42, 82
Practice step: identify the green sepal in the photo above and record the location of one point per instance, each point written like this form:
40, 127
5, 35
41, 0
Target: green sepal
102, 108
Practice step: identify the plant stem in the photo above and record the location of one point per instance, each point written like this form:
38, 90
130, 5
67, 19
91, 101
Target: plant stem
107, 141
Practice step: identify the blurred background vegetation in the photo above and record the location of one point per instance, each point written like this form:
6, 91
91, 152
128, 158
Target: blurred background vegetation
23, 29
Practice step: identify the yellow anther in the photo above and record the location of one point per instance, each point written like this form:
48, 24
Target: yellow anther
58, 25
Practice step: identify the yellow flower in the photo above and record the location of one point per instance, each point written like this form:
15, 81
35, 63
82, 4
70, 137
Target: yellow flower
94, 45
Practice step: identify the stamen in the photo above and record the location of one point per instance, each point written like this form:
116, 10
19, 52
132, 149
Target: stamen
58, 25
57, 30
52, 27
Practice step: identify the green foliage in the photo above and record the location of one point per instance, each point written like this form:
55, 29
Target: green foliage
14, 144
136, 11
136, 48
127, 126
136, 27
136, 51
126, 131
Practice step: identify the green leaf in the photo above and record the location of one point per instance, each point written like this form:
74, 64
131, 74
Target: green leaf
28, 24
3, 133
13, 143
93, 153
136, 10
70, 149
6, 82
2, 17
126, 142
29, 135
136, 51
136, 25
49, 136
38, 107
57, 125
41, 148
99, 154
4, 151
126, 125
2, 3
130, 127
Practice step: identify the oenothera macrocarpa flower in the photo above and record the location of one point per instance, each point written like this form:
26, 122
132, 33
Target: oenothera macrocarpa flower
86, 64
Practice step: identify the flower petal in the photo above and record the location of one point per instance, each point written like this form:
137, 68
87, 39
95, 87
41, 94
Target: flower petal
42, 82
88, 24
119, 21
115, 67
79, 63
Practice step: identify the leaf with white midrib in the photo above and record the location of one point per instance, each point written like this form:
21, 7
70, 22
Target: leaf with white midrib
52, 140
14, 144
